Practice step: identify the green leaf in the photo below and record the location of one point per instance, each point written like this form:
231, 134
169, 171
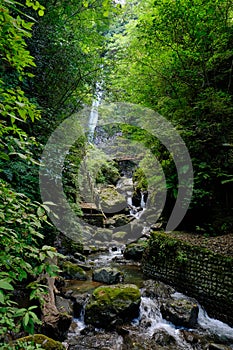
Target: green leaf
2, 297
26, 319
6, 285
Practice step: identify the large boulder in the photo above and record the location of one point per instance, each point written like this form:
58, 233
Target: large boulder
107, 275
111, 200
134, 251
181, 312
73, 271
110, 306
157, 290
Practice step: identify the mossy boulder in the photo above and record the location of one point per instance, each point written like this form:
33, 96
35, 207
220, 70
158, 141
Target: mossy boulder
73, 271
46, 342
111, 200
134, 251
110, 306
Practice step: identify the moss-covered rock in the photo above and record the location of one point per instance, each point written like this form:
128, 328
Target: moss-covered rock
73, 271
46, 342
113, 305
111, 200
103, 235
120, 236
134, 251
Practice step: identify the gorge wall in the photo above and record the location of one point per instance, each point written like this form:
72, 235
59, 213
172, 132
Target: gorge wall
192, 270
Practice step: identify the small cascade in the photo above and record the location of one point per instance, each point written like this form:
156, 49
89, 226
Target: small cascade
104, 259
214, 326
78, 323
209, 324
150, 316
143, 203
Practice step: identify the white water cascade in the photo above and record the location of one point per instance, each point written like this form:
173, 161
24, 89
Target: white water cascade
150, 314
93, 120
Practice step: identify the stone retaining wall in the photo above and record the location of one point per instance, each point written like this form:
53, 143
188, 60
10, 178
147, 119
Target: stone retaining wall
194, 271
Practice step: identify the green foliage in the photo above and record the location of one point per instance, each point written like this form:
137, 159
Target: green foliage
180, 56
21, 259
140, 179
24, 261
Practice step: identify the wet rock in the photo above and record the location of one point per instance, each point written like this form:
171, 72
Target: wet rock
135, 341
156, 290
64, 305
182, 313
101, 341
110, 306
46, 342
79, 303
134, 251
163, 338
107, 275
73, 271
80, 257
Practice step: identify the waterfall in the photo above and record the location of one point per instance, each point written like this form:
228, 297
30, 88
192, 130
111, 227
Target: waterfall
143, 203
93, 120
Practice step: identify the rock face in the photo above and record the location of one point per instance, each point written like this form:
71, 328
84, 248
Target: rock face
113, 305
73, 271
134, 251
182, 313
107, 275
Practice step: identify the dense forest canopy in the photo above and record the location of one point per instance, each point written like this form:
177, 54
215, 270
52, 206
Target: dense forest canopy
173, 56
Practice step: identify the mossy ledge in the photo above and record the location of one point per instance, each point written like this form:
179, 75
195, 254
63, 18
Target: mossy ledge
194, 270
46, 342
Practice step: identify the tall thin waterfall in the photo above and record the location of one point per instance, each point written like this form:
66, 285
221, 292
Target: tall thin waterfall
93, 120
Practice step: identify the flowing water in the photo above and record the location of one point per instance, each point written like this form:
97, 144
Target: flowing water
150, 319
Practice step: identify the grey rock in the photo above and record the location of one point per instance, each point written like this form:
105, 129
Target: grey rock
107, 275
181, 312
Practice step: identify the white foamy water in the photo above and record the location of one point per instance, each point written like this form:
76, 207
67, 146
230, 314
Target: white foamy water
150, 314
209, 324
214, 326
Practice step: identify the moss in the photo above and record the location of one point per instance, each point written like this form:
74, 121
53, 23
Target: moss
120, 235
110, 294
45, 342
71, 270
112, 304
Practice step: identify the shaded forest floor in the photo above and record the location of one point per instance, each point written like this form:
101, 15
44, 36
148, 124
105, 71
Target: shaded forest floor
220, 244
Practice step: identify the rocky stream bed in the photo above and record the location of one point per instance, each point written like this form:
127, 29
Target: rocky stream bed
114, 307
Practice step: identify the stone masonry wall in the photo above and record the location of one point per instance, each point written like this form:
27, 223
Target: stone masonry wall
194, 271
